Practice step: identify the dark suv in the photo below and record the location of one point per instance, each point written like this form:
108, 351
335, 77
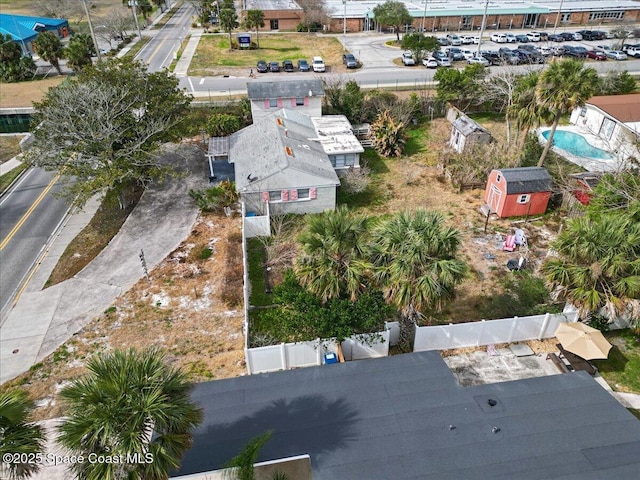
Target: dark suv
303, 65
575, 52
262, 66
287, 66
526, 56
349, 60
493, 57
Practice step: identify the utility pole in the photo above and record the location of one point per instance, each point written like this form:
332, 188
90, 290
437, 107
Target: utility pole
134, 5
484, 24
555, 26
424, 15
344, 26
93, 35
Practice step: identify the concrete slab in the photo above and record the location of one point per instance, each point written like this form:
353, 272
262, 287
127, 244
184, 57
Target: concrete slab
521, 350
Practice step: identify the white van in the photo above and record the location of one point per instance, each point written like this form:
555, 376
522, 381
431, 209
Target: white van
533, 36
318, 64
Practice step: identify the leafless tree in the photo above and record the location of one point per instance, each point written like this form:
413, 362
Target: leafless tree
69, 9
313, 12
115, 22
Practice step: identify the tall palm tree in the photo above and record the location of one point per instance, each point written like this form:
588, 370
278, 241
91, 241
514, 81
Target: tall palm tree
17, 435
524, 108
565, 85
414, 258
255, 19
130, 403
228, 21
598, 264
333, 261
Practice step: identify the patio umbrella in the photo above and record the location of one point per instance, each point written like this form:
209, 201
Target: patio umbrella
583, 340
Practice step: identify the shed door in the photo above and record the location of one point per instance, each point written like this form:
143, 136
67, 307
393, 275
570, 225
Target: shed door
494, 198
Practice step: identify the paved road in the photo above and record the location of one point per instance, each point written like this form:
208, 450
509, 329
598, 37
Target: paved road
29, 213
165, 42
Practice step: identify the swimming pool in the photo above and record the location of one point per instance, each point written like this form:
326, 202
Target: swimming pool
576, 145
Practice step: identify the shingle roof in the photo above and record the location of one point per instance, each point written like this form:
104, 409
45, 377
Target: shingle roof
527, 180
279, 153
295, 89
467, 126
405, 417
624, 108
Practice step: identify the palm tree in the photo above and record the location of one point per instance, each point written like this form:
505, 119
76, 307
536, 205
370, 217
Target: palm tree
598, 264
130, 403
414, 257
17, 435
333, 260
255, 19
524, 108
228, 21
565, 85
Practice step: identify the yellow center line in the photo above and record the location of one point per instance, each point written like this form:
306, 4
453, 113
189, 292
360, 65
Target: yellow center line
28, 213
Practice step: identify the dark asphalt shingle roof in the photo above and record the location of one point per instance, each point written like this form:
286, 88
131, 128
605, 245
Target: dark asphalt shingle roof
527, 179
389, 418
296, 89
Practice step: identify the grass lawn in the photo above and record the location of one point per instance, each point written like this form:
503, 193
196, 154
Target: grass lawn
23, 94
94, 237
214, 57
9, 177
622, 369
255, 253
9, 146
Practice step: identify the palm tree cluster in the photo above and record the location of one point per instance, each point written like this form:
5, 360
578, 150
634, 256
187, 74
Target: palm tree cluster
410, 256
129, 405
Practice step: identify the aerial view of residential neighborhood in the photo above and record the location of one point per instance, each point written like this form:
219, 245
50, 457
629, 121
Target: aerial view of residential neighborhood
320, 239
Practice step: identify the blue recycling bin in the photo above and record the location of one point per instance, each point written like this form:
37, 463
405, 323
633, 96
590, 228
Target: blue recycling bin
330, 358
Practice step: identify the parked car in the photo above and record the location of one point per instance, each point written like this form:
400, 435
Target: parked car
318, 64
407, 59
591, 34
443, 61
349, 60
287, 66
498, 38
467, 53
522, 38
528, 48
274, 67
596, 55
454, 53
598, 35
454, 40
604, 48
545, 51
508, 56
554, 37
475, 40
303, 65
616, 55
633, 51
627, 46
468, 39
544, 36
492, 57
511, 38
430, 62
575, 52
534, 36
527, 56
567, 36
557, 51
480, 59
577, 36
262, 66
443, 42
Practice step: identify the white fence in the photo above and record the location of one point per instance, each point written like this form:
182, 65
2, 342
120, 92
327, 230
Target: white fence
486, 332
308, 354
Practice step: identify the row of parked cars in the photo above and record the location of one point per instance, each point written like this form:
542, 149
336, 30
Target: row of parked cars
317, 65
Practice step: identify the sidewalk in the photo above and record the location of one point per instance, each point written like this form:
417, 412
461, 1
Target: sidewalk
42, 320
187, 55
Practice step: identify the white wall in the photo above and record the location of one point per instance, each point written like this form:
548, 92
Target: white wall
486, 332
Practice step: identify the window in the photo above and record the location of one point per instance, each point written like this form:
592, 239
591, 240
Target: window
300, 102
524, 198
273, 102
498, 177
275, 196
583, 112
564, 17
303, 194
343, 160
610, 15
607, 127
273, 24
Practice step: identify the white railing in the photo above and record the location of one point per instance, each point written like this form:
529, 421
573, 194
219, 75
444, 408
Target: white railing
486, 332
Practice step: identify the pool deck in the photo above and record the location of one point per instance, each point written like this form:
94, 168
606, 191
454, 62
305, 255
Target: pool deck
591, 164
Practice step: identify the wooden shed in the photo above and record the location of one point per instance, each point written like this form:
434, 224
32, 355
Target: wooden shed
465, 132
513, 192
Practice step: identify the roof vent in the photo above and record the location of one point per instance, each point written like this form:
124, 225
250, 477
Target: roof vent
289, 151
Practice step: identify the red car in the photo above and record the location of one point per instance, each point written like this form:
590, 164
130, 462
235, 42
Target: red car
596, 55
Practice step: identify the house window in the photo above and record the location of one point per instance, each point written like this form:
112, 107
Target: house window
303, 194
300, 102
610, 15
583, 112
273, 102
273, 24
498, 177
524, 198
343, 160
275, 196
606, 129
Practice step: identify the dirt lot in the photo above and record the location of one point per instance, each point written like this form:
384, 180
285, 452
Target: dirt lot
181, 311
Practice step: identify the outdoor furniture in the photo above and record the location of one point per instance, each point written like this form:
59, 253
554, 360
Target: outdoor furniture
510, 243
578, 363
558, 362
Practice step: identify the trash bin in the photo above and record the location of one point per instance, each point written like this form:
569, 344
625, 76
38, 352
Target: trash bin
330, 358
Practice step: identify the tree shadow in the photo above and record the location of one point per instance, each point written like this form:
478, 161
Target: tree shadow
310, 424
